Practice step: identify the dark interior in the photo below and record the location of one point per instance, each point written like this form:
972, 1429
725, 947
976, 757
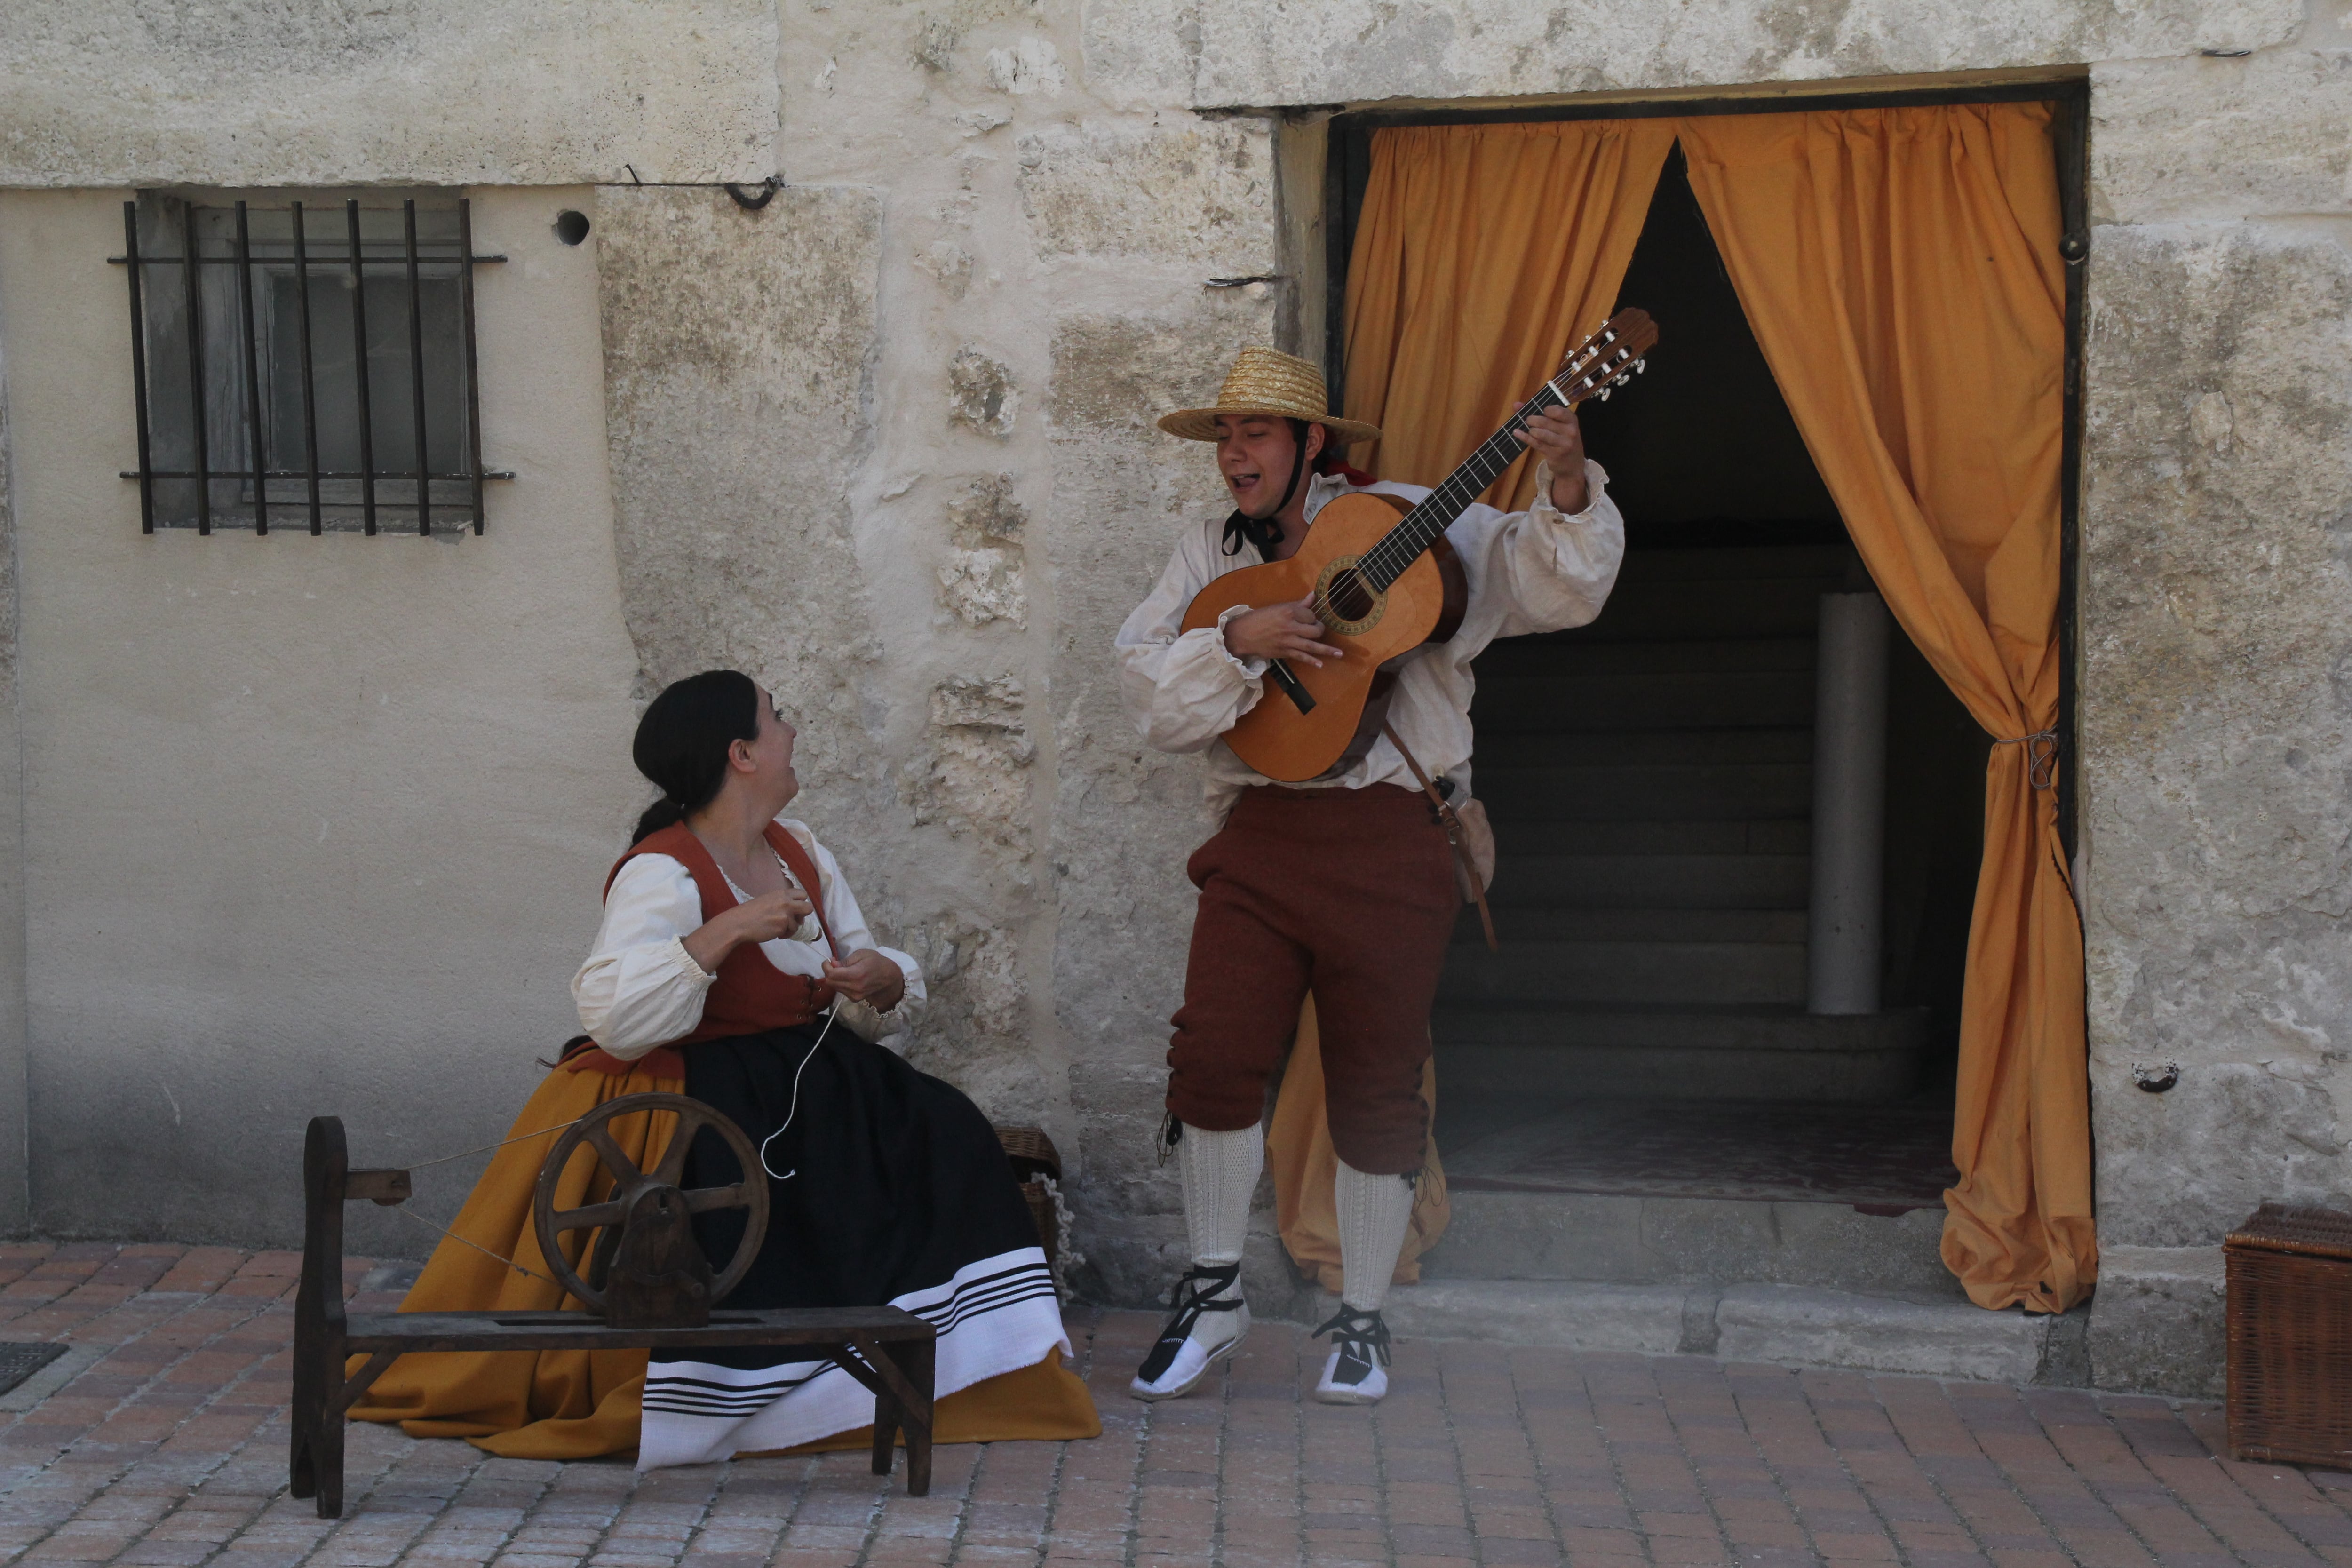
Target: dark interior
1732, 536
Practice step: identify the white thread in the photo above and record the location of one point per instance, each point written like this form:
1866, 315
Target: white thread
794, 1107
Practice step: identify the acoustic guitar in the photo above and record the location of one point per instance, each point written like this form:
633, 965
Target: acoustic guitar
1386, 585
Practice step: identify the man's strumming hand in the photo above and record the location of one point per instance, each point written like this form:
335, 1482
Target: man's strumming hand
1559, 439
1280, 631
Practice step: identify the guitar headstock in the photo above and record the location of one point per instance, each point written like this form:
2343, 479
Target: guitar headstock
1608, 359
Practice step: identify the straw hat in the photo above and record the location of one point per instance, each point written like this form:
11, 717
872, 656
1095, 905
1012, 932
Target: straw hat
1265, 381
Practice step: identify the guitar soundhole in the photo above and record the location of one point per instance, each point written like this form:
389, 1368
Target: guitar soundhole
1347, 604
1350, 597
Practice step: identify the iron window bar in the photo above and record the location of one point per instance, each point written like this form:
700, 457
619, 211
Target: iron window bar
306, 263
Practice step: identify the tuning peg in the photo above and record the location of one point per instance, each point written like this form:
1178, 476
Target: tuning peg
1605, 395
1639, 365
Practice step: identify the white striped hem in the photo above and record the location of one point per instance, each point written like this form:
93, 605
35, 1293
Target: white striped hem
997, 1315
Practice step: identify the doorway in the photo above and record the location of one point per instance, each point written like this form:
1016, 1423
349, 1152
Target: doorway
1645, 1031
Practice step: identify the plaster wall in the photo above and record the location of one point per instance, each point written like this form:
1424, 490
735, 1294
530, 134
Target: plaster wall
289, 93
319, 823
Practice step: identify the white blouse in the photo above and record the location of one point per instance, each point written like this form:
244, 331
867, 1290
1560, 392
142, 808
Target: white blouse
1532, 571
640, 988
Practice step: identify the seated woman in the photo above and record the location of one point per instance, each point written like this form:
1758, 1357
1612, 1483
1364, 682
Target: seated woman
733, 966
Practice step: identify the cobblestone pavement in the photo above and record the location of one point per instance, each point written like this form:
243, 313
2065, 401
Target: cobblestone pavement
167, 1445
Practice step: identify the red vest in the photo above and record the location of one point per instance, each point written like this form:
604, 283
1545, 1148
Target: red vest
750, 996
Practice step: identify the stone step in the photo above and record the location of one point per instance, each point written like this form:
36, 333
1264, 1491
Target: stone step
1690, 973
1653, 881
1543, 925
1681, 1052
1519, 659
1644, 748
1518, 836
1731, 698
1928, 1335
1645, 608
1606, 792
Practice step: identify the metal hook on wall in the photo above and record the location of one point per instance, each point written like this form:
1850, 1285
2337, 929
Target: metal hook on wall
750, 203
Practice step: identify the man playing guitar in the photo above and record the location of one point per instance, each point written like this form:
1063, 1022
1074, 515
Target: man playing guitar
1343, 885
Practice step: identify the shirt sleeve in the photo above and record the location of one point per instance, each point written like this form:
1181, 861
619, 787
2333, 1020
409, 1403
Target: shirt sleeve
1552, 569
1182, 689
640, 989
847, 924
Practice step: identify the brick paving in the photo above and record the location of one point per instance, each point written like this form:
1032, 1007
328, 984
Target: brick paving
168, 1446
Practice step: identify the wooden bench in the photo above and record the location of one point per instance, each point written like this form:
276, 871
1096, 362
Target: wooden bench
887, 1350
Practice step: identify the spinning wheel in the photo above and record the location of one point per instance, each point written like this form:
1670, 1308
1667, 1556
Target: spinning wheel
643, 1194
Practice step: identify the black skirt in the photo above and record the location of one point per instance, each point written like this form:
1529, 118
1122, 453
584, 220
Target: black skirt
885, 1187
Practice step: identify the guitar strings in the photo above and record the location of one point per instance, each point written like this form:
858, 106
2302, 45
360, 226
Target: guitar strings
1398, 549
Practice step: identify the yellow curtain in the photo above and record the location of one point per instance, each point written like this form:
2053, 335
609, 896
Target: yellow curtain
1484, 253
1298, 1150
1900, 268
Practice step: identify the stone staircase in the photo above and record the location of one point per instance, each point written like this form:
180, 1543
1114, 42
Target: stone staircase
1650, 780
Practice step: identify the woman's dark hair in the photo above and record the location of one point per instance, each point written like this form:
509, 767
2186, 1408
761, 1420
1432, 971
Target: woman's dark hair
683, 739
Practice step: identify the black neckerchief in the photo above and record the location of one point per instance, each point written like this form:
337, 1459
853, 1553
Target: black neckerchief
1265, 532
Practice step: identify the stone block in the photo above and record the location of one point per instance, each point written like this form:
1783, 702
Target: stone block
444, 92
981, 393
1803, 1326
1578, 1315
736, 413
1232, 53
2217, 722
2157, 1321
1199, 196
2217, 140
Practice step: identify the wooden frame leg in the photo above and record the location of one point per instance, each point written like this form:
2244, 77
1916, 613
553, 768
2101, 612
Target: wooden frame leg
916, 1361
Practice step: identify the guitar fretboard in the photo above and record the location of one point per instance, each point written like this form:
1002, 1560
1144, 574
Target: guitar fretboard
1418, 530
1596, 363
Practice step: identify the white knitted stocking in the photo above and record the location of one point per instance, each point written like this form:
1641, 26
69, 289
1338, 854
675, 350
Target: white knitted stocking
1219, 1172
1373, 1213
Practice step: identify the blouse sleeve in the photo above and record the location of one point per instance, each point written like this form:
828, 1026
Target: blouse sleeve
640, 988
1554, 570
847, 924
1182, 689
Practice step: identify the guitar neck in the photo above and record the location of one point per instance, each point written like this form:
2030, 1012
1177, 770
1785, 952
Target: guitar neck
1420, 528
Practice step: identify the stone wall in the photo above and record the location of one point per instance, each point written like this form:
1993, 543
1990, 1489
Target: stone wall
452, 93
886, 443
2216, 714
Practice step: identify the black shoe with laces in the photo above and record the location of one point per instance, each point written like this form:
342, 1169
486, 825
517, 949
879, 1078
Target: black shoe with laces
1207, 1319
1359, 1352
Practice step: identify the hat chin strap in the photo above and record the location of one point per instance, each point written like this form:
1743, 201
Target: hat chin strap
1265, 532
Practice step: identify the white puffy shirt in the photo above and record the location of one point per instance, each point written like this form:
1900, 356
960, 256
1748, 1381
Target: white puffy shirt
1533, 571
640, 989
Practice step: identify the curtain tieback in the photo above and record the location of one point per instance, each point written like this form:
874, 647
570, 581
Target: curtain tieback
2041, 754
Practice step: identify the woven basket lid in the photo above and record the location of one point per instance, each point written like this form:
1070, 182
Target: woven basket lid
2286, 1227
1266, 381
1031, 1152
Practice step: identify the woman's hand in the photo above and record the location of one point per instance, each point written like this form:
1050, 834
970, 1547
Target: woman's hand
867, 977
1560, 440
1280, 631
767, 918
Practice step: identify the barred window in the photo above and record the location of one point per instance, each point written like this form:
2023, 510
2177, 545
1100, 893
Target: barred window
305, 367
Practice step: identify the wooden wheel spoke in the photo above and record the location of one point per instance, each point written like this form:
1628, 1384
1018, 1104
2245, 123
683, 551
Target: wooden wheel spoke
673, 1160
587, 1216
624, 1170
702, 1200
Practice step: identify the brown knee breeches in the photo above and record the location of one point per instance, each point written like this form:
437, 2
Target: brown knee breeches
1348, 893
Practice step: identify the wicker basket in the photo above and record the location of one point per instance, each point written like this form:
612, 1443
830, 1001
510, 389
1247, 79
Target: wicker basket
2290, 1336
1033, 1155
